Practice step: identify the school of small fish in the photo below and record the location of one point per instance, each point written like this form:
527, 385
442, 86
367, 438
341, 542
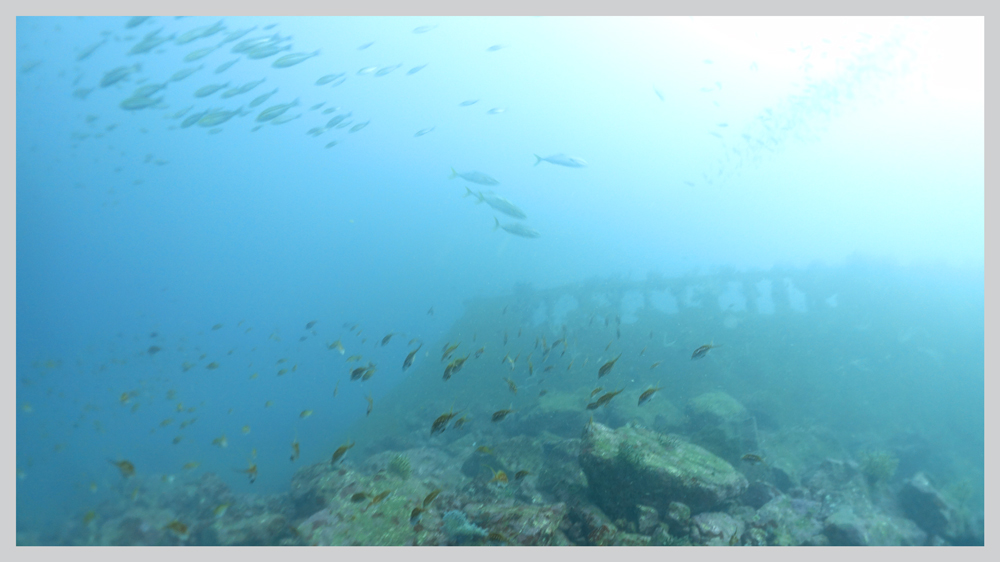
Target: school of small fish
196, 94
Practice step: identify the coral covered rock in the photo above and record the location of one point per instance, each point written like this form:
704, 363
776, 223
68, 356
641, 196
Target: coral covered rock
633, 466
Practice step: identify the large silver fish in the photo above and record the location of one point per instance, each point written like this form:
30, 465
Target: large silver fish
562, 160
517, 229
498, 203
474, 177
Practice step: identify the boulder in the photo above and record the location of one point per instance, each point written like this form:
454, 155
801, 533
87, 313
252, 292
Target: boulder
586, 524
717, 420
845, 528
788, 521
715, 529
632, 466
561, 413
523, 525
335, 520
649, 519
265, 529
715, 408
934, 513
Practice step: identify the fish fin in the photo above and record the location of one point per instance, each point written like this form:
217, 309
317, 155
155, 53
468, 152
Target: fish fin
468, 192
497, 225
453, 175
538, 159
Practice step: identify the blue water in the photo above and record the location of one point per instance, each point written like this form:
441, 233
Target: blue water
709, 145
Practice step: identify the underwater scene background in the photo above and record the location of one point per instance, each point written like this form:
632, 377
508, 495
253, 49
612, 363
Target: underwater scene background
498, 281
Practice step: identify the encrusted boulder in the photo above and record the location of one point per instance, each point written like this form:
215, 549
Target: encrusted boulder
649, 519
845, 528
561, 413
522, 525
341, 516
716, 529
717, 421
715, 408
586, 524
265, 529
633, 466
787, 521
935, 513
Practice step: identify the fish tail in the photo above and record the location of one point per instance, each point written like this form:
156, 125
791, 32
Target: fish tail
468, 192
497, 225
538, 159
453, 175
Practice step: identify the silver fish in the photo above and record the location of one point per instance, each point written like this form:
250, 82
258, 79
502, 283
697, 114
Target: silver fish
359, 126
87, 51
387, 69
337, 119
140, 102
118, 74
199, 32
562, 160
474, 177
415, 69
262, 98
517, 229
251, 85
225, 66
237, 34
185, 72
151, 41
182, 112
276, 110
248, 44
328, 78
209, 90
267, 50
284, 119
135, 21
498, 203
147, 90
219, 117
192, 119
294, 59
423, 132
200, 53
